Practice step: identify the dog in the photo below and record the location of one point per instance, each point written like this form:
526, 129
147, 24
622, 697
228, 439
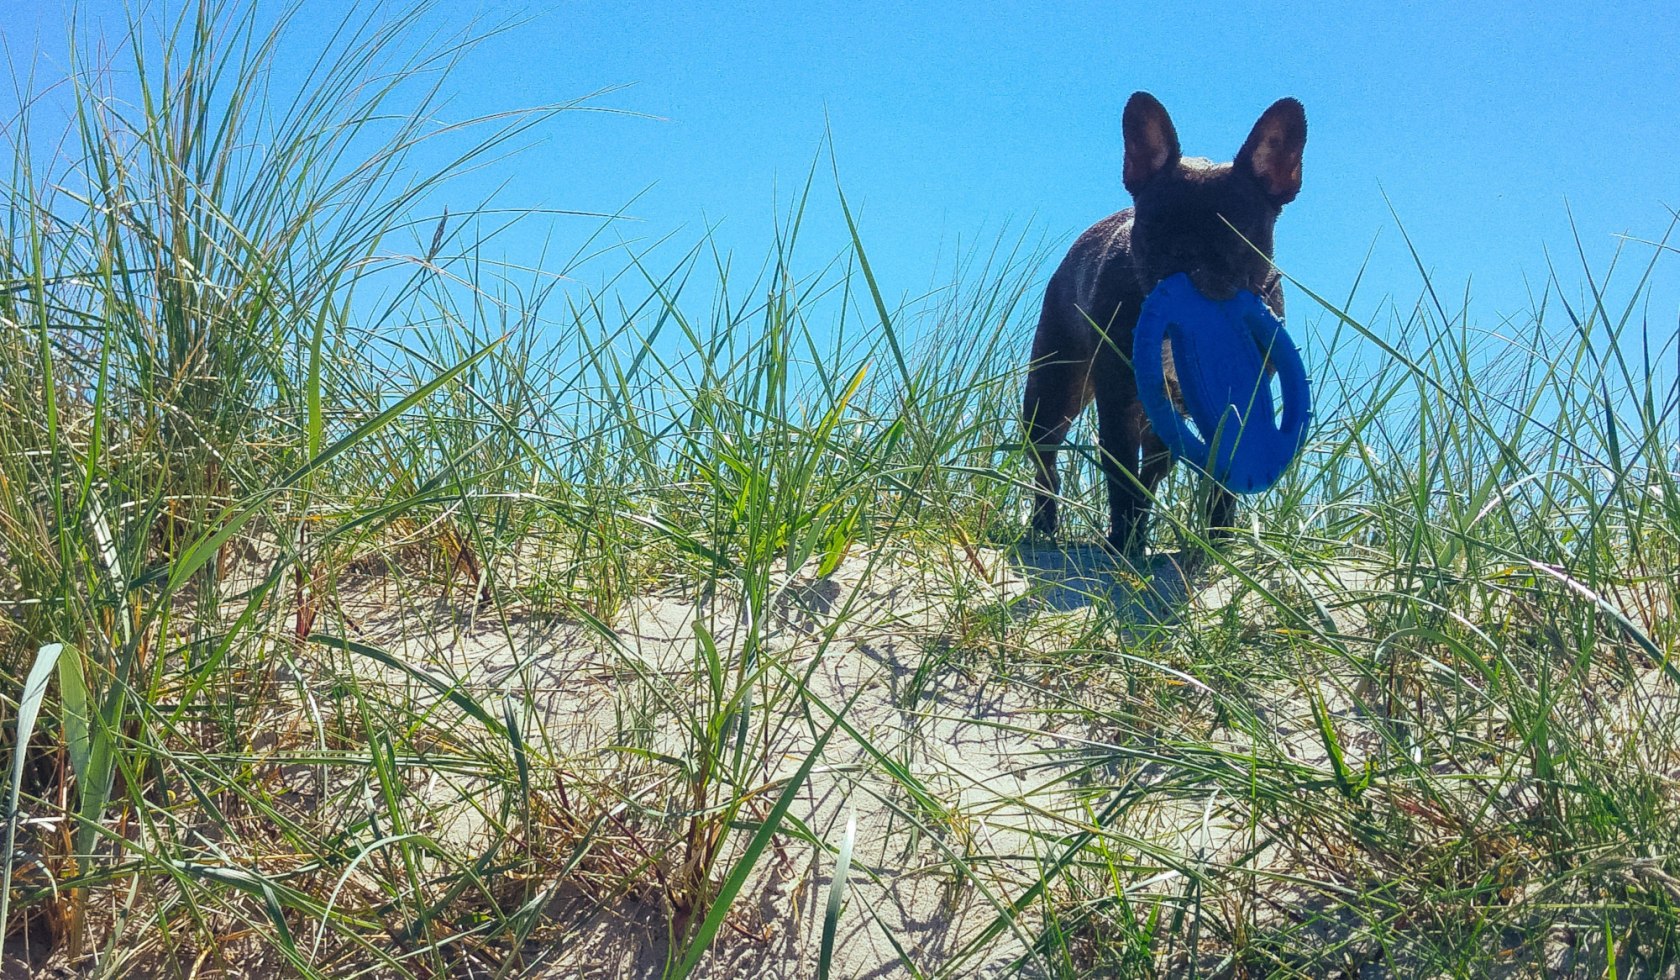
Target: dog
1213, 222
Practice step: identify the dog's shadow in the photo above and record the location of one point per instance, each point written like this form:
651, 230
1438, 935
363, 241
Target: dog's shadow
1152, 589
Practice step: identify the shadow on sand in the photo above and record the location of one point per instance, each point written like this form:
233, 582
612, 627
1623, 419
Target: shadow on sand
1152, 589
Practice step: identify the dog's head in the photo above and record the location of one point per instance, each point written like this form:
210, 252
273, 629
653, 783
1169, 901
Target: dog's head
1186, 207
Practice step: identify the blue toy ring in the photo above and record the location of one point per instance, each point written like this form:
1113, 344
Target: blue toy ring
1219, 351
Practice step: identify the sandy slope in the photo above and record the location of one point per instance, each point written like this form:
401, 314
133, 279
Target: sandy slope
998, 752
1000, 743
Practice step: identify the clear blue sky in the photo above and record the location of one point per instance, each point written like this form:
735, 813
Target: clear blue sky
1478, 120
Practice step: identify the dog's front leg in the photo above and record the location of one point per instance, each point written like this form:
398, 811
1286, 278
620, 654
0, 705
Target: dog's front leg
1120, 442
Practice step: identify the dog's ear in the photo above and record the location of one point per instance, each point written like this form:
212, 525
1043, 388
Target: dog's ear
1272, 155
1151, 141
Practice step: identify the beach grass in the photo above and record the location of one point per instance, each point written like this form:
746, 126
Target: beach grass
371, 605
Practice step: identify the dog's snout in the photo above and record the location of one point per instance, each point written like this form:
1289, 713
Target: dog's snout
1215, 285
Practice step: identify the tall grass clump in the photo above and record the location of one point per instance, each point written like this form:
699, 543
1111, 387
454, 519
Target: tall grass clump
186, 370
371, 606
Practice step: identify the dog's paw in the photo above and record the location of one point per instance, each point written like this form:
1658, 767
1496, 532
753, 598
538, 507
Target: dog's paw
1130, 544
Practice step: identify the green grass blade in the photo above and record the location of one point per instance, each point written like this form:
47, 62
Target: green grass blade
29, 706
836, 899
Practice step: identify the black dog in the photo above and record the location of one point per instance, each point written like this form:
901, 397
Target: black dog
1182, 220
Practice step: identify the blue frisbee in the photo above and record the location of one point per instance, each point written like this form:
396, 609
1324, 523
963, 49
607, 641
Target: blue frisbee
1219, 352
